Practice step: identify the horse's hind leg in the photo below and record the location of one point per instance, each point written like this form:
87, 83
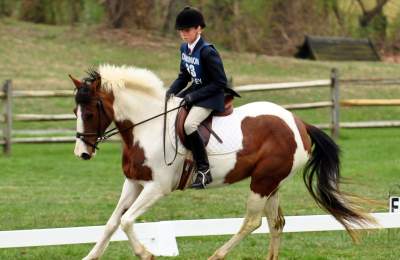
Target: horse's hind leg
150, 194
276, 222
255, 206
129, 193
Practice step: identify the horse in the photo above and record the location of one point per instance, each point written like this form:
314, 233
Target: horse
272, 144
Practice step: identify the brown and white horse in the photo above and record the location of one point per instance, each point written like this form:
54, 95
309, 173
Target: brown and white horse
274, 144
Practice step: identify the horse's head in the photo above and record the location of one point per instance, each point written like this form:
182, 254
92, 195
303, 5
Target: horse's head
94, 113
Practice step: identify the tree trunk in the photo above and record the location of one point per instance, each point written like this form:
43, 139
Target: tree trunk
33, 11
174, 7
3, 9
123, 13
369, 15
116, 12
76, 11
142, 13
236, 26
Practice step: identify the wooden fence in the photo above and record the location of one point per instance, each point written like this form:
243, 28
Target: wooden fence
333, 103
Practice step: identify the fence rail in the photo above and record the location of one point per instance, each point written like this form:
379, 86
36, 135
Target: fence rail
334, 103
320, 104
370, 102
281, 86
380, 81
36, 117
160, 237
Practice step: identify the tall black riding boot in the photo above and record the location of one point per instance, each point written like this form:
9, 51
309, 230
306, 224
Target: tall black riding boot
203, 176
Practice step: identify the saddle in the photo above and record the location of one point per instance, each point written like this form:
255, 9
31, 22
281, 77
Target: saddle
205, 128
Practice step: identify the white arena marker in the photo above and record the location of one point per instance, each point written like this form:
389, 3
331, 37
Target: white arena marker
394, 204
160, 237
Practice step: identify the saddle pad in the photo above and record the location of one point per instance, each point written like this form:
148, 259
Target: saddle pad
228, 128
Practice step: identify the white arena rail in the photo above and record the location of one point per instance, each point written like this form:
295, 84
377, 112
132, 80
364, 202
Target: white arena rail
160, 237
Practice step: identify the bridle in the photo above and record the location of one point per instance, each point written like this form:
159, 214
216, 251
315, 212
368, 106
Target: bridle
104, 135
101, 136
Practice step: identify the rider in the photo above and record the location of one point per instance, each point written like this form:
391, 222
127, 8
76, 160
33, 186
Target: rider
201, 64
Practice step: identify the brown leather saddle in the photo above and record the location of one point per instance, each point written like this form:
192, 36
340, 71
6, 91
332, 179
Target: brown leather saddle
205, 127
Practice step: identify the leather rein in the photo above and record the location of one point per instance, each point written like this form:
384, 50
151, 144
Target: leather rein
103, 136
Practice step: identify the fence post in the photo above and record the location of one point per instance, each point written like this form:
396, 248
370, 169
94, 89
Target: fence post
335, 103
7, 88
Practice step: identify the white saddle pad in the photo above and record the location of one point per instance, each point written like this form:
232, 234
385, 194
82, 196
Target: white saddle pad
228, 128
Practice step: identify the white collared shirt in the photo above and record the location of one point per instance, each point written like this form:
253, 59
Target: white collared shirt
192, 45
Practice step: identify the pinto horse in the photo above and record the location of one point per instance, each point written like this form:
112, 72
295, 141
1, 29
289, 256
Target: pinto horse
273, 145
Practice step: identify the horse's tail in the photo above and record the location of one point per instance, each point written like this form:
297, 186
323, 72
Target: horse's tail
322, 178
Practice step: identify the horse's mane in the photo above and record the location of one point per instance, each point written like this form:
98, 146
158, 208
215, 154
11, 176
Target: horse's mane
114, 78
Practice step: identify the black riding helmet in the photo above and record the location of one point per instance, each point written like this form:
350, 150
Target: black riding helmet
189, 17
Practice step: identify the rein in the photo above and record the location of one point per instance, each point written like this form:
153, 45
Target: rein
101, 137
181, 104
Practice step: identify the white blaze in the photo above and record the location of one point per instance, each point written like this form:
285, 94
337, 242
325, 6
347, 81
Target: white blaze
80, 146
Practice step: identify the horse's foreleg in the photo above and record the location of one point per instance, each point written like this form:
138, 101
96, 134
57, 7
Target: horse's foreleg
276, 222
255, 206
130, 191
150, 194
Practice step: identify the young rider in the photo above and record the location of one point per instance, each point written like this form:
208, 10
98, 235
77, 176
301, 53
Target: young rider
201, 64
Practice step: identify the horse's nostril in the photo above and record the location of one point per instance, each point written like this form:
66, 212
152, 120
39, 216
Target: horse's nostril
85, 156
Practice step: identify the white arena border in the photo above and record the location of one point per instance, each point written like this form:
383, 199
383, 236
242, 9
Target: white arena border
160, 237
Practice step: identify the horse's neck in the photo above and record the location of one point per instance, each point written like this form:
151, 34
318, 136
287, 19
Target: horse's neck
136, 107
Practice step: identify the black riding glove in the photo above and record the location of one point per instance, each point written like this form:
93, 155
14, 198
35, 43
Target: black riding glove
168, 94
188, 100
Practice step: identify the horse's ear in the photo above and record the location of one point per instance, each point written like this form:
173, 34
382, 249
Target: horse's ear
77, 83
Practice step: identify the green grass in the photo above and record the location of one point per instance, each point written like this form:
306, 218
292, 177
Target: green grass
44, 186
54, 189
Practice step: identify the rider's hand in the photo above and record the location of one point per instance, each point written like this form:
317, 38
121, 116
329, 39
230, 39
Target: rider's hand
168, 94
188, 100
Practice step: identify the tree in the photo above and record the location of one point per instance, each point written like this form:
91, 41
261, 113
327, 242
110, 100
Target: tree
122, 13
33, 11
6, 7
51, 12
76, 11
369, 15
174, 7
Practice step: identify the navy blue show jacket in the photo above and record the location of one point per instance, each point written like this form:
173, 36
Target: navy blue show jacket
205, 69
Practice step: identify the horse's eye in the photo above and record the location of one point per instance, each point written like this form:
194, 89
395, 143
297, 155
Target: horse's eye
88, 116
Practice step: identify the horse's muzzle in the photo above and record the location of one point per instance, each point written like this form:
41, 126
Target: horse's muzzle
85, 156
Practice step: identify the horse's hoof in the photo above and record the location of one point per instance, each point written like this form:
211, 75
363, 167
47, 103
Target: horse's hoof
148, 257
216, 257
90, 258
271, 257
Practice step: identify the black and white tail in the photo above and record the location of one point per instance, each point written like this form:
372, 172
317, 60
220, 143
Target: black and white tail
322, 178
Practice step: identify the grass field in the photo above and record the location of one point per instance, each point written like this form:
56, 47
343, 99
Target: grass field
44, 186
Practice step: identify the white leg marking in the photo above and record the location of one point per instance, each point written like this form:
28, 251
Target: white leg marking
149, 195
130, 192
255, 206
275, 224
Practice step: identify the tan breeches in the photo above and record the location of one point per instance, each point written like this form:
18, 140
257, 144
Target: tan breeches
195, 117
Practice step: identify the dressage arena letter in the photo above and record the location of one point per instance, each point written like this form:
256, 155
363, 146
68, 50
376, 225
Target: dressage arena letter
394, 204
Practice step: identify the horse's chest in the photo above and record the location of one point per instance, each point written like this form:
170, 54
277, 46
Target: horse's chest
133, 163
